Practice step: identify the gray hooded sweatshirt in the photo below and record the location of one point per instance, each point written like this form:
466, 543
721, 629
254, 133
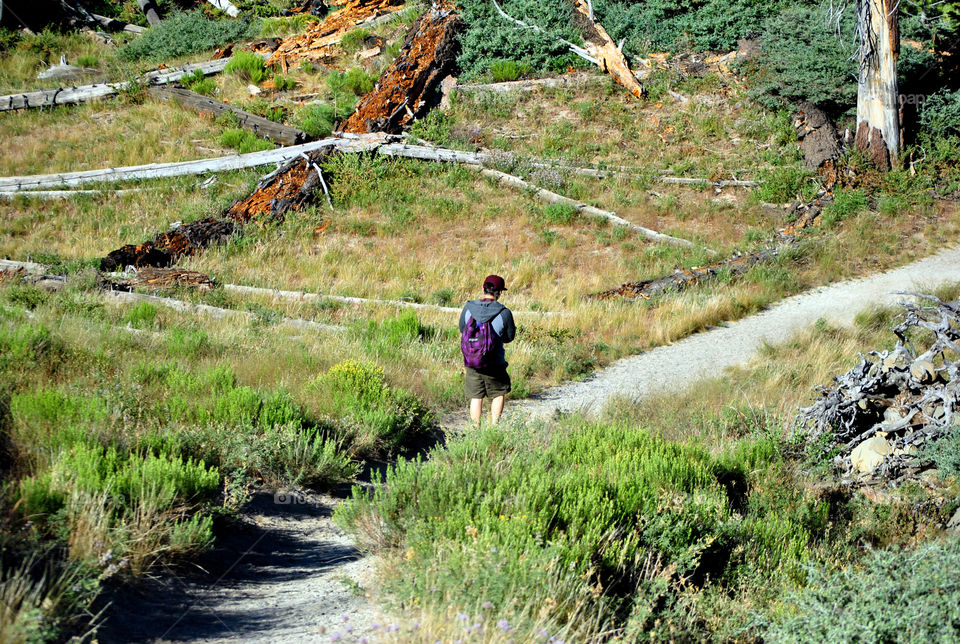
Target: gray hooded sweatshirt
500, 318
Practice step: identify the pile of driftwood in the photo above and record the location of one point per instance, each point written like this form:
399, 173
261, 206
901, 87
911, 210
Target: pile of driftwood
878, 416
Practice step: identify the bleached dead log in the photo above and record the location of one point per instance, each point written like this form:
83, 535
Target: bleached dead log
184, 168
216, 312
589, 211
149, 9
51, 195
567, 80
300, 296
723, 183
86, 93
116, 25
226, 7
282, 134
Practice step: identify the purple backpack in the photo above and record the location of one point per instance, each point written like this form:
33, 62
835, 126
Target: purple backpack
478, 343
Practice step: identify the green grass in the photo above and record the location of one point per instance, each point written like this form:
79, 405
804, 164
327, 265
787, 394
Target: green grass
247, 66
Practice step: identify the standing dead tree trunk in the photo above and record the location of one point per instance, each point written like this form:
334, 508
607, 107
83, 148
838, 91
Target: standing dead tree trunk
878, 113
407, 89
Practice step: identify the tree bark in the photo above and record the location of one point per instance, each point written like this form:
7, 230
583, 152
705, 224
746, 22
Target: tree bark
878, 113
282, 134
407, 90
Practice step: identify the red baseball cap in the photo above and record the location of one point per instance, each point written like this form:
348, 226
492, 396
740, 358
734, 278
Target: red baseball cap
495, 281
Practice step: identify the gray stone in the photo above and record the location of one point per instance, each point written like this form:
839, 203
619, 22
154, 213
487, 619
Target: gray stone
866, 456
923, 371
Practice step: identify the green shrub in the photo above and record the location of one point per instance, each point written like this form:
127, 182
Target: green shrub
940, 113
804, 58
244, 141
142, 314
945, 453
785, 183
353, 40
895, 596
26, 295
187, 343
610, 503
846, 203
199, 83
248, 66
508, 70
87, 61
378, 418
316, 120
559, 213
282, 83
27, 345
268, 110
354, 81
185, 33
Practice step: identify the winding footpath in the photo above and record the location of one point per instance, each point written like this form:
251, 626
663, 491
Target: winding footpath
288, 574
703, 355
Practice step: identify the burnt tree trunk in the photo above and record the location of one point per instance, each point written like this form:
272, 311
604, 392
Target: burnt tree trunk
878, 115
407, 90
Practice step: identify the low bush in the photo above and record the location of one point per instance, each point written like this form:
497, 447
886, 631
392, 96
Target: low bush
785, 183
559, 213
895, 596
354, 81
247, 66
508, 70
353, 40
524, 513
945, 453
316, 120
282, 83
182, 34
376, 418
244, 141
197, 82
940, 113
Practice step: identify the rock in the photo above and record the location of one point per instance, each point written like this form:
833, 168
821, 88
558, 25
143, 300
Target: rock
894, 361
866, 456
923, 371
909, 450
930, 476
953, 525
253, 90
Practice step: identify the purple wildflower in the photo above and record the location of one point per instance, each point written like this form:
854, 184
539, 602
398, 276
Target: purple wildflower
504, 626
462, 617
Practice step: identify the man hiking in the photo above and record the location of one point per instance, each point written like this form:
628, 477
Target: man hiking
485, 326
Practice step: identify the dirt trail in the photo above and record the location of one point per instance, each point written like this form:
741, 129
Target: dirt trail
289, 575
677, 366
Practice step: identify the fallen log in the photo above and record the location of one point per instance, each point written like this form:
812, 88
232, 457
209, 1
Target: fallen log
166, 248
161, 278
116, 25
226, 7
149, 9
216, 312
86, 93
183, 168
265, 128
61, 194
408, 89
686, 277
289, 188
567, 80
607, 54
590, 211
314, 45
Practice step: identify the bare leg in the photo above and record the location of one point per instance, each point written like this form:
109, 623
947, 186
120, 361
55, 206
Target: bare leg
476, 410
496, 408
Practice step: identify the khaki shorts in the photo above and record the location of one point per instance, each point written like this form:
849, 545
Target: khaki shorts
492, 382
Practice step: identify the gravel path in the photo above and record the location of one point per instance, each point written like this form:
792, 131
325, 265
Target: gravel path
288, 574
285, 574
707, 354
